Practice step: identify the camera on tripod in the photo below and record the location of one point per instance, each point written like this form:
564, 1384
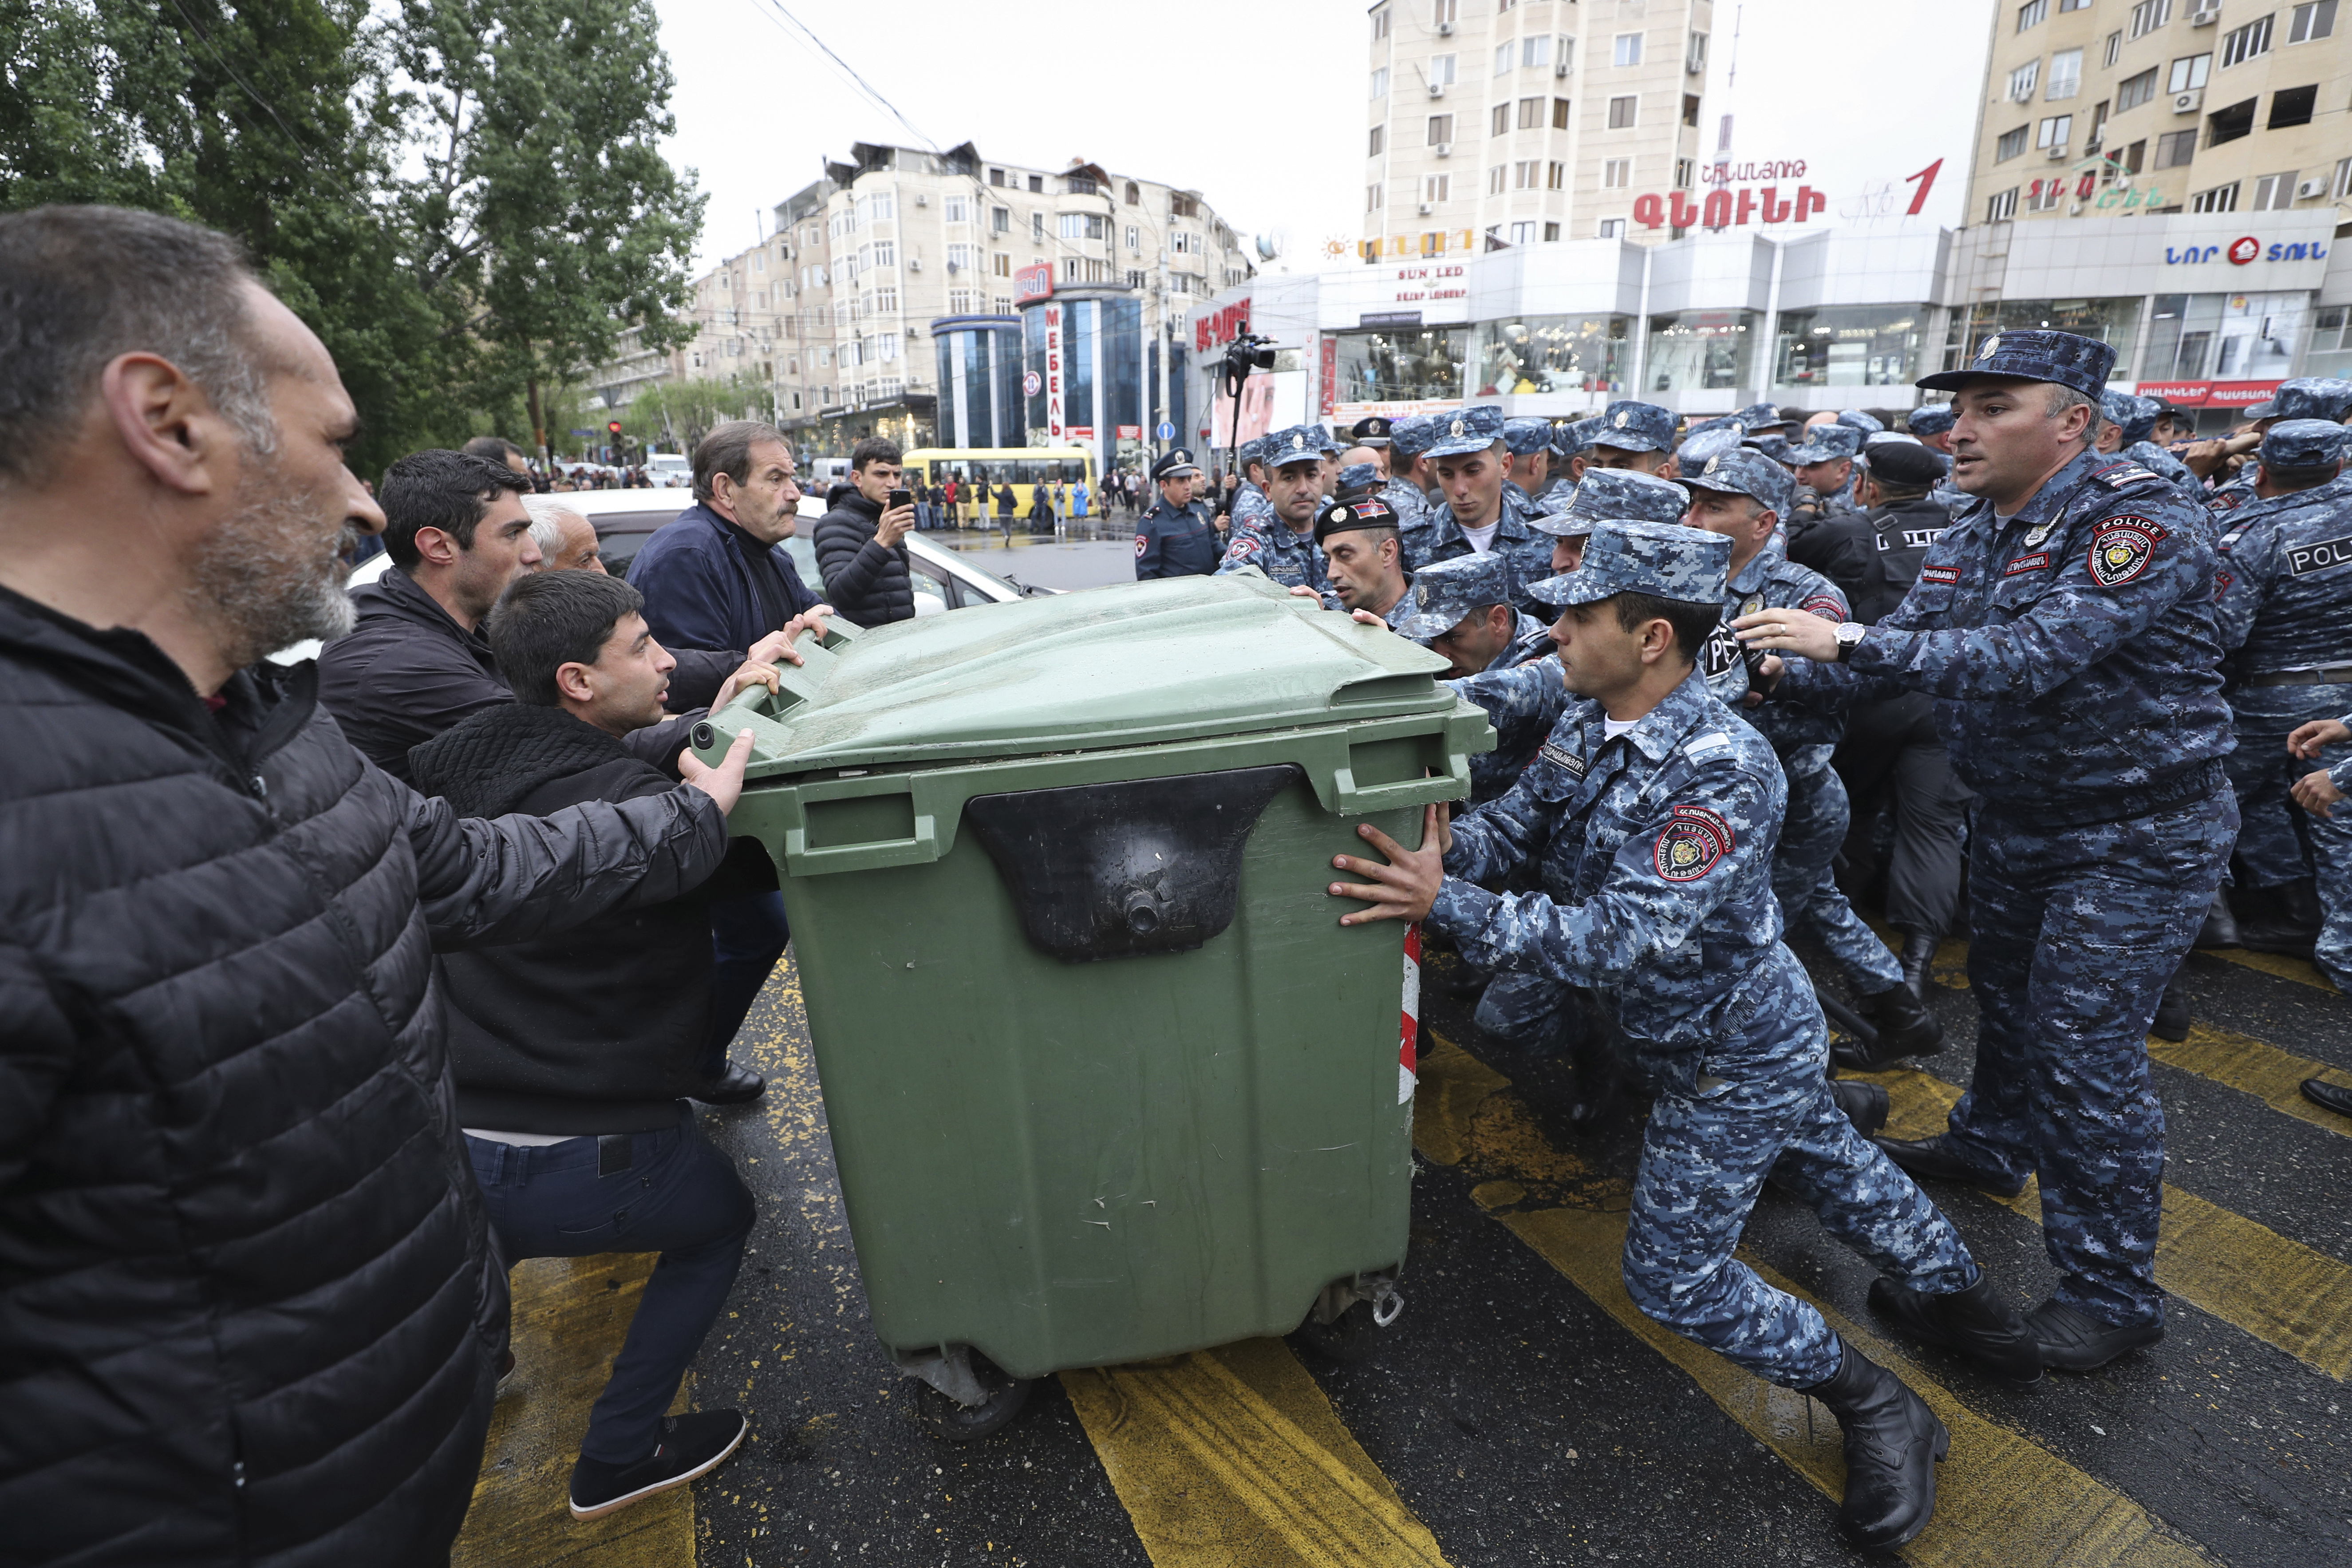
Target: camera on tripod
1246, 354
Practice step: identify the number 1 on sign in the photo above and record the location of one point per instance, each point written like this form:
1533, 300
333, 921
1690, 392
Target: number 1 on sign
1926, 178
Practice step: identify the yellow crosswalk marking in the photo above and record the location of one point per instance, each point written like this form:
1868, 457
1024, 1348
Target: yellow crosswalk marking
2296, 969
569, 1316
2257, 1068
2281, 1291
1234, 1455
2003, 1501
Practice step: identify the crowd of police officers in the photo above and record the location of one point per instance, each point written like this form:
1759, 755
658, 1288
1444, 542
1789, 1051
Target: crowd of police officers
2036, 664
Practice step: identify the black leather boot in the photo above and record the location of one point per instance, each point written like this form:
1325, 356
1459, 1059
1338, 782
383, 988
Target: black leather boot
2077, 1341
1906, 1028
2221, 927
1892, 1443
1919, 953
1865, 1104
2293, 928
1976, 1321
2172, 1011
1932, 1158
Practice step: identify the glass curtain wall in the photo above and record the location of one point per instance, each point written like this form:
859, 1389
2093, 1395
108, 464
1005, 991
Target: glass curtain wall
2112, 320
1847, 345
1404, 365
2224, 337
1555, 354
1700, 350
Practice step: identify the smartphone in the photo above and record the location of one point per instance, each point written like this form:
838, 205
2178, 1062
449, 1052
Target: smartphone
900, 498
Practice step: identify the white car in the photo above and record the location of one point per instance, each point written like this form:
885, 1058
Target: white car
668, 470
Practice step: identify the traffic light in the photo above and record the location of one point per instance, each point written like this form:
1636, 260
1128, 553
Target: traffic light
615, 426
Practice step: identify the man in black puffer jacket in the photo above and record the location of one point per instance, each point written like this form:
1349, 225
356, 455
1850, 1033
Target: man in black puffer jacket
575, 1054
247, 1309
861, 550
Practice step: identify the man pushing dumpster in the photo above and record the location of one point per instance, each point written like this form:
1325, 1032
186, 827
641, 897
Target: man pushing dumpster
1649, 817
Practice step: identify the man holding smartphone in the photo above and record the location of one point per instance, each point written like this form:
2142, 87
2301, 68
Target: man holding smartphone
861, 549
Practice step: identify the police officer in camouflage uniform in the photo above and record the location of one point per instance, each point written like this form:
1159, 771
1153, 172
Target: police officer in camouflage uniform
1825, 475
1529, 443
1407, 488
1482, 511
1633, 435
2284, 609
1249, 502
1650, 816
1462, 613
2325, 397
2066, 623
1739, 495
2322, 793
1932, 426
1282, 547
2134, 419
1175, 538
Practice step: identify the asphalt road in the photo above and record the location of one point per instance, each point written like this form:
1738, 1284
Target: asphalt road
1101, 553
1519, 1413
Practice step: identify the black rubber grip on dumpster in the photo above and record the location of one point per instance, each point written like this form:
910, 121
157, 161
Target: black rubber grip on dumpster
1114, 870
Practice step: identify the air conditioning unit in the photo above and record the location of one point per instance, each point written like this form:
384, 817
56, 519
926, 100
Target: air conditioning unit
2057, 154
1427, 208
1437, 90
922, 199
1560, 68
1446, 30
2204, 13
914, 264
1444, 149
2188, 103
2310, 188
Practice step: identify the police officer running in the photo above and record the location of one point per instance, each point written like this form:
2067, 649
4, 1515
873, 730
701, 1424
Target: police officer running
1650, 818
1283, 545
2066, 623
1482, 512
1175, 538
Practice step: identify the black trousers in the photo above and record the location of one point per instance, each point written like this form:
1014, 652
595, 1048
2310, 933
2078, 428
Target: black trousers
1893, 756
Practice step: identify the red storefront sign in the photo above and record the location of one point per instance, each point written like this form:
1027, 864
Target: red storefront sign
1218, 328
2210, 394
1034, 283
1053, 430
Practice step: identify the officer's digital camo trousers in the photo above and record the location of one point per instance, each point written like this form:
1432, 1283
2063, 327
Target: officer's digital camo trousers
1760, 1103
2274, 833
2075, 932
1810, 900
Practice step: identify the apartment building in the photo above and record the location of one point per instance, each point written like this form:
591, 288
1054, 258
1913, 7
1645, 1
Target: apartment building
1527, 121
2115, 108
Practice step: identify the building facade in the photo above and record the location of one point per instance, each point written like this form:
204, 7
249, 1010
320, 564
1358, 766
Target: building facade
2128, 108
1527, 121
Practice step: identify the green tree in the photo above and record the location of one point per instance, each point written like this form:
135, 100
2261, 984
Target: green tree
676, 415
94, 107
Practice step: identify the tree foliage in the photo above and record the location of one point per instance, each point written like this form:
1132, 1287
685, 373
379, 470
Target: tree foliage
464, 198
675, 415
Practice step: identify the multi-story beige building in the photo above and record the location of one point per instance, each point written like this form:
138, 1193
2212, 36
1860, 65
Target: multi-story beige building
1527, 121
2114, 107
834, 313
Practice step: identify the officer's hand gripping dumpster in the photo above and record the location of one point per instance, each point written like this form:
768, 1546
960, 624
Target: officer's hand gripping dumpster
1106, 1079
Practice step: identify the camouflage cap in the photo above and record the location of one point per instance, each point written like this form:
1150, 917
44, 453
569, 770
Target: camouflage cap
1776, 447
1743, 472
1932, 420
2146, 412
1299, 443
1826, 443
1444, 591
2310, 397
1525, 436
1578, 435
1619, 493
1632, 427
1359, 510
1855, 419
1664, 560
1253, 450
1701, 445
1759, 416
1358, 476
2117, 408
1465, 430
2304, 444
2068, 359
1409, 436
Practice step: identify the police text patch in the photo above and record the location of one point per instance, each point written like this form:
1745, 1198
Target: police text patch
1719, 652
1939, 573
2037, 562
1693, 840
1561, 756
2302, 558
2122, 547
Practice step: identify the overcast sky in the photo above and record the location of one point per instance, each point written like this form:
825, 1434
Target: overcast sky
1261, 106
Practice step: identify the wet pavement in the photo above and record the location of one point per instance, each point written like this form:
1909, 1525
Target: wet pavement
1088, 556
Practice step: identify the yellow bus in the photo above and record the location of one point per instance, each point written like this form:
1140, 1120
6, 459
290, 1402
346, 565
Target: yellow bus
1022, 467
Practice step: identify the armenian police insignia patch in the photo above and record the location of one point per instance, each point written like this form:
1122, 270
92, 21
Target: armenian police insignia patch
1690, 844
2122, 548
1142, 542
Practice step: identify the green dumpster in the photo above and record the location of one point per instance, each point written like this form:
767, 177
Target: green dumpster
1105, 1078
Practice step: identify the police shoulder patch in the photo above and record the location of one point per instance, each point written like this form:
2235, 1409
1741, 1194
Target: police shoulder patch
2121, 548
1142, 542
1244, 547
1822, 604
1691, 843
2222, 581
2116, 476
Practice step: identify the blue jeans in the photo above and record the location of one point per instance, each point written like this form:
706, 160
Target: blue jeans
747, 938
677, 1196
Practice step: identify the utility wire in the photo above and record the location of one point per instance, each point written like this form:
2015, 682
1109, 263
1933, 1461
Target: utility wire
848, 70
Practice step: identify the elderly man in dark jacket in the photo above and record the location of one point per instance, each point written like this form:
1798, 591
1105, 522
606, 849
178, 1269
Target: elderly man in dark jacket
247, 1311
861, 543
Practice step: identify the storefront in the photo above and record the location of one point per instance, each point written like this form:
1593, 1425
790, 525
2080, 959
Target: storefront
980, 381
1090, 377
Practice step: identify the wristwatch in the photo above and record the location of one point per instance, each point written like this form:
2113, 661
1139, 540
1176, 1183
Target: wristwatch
1848, 635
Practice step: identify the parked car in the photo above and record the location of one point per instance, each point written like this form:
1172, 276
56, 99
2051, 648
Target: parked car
669, 470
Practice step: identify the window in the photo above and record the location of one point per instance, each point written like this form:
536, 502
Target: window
1555, 176
1436, 187
2097, 138
2133, 91
1531, 114
2002, 207
2276, 192
1378, 141
1183, 242
1000, 304
2230, 123
886, 253
1381, 22
2023, 81
2310, 22
2148, 15
1495, 179
1084, 225
1001, 220
2132, 154
2065, 74
1694, 57
1616, 173
1626, 50
1372, 198
1037, 183
2343, 185
2219, 199
1527, 174
958, 209
2066, 6
2032, 13
2053, 131
958, 302
1498, 122
1685, 172
1380, 83
2189, 71
1441, 130
2174, 149
2115, 47
886, 303
2292, 106
1081, 185
1441, 13
1535, 51
2046, 195
1134, 194
1620, 113
1506, 56
2243, 44
1182, 205
884, 206
1551, 232
1690, 109
1566, 52
1441, 71
2010, 144
1559, 114
1002, 264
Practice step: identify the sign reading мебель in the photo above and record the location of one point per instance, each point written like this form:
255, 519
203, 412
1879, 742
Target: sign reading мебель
1054, 430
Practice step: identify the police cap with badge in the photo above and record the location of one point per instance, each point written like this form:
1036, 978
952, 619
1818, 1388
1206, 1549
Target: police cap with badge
1359, 477
2068, 359
1175, 465
1706, 441
1623, 493
1374, 432
1760, 418
1465, 430
1445, 593
2306, 398
1911, 464
1825, 444
1664, 559
1299, 443
1631, 426
2304, 444
1743, 471
1355, 509
1577, 436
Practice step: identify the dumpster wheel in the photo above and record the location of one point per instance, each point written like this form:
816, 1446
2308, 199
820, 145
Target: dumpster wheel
957, 1422
1355, 1332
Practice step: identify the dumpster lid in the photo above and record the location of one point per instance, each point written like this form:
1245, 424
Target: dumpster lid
1133, 664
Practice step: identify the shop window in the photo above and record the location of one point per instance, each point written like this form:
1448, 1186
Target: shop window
1697, 351
1553, 354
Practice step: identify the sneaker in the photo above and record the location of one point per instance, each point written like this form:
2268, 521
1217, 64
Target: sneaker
690, 1445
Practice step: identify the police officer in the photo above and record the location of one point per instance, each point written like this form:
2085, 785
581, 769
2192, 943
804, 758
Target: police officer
1650, 819
1739, 495
1249, 503
2284, 612
1570, 442
2322, 793
2139, 445
1462, 611
1175, 538
1932, 426
1363, 555
2324, 398
1706, 440
1482, 512
1409, 479
1283, 546
1529, 444
1892, 755
1632, 436
1825, 471
2065, 623
1765, 419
